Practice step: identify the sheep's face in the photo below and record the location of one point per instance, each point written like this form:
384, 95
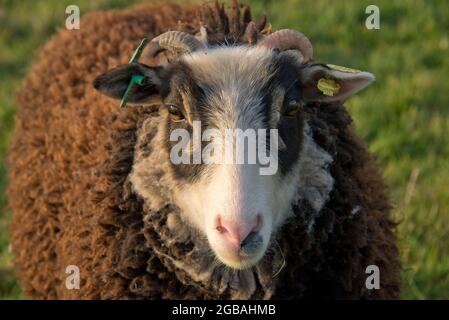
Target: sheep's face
236, 192
231, 98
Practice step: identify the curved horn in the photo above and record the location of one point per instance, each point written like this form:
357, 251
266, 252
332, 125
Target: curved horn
177, 42
287, 39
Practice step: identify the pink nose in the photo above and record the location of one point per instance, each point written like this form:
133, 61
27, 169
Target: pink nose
235, 232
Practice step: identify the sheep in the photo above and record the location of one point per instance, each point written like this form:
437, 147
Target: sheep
92, 185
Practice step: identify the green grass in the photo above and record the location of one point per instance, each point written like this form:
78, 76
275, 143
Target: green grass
403, 117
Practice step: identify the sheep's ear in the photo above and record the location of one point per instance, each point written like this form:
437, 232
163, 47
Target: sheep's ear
115, 82
329, 83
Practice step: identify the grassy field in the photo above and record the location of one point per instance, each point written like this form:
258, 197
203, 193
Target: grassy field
404, 116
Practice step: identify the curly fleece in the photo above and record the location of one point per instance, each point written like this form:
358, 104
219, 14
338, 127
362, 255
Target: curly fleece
73, 201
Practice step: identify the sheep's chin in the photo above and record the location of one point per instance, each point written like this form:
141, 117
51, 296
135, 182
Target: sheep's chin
239, 263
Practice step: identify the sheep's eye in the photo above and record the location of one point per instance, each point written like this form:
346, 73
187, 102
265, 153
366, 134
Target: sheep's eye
292, 108
175, 113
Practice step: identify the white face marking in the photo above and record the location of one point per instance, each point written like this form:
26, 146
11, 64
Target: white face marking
235, 196
236, 193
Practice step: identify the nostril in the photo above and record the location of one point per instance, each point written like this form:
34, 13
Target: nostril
219, 225
221, 229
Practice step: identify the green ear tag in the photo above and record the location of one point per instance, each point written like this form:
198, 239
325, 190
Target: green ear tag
138, 51
136, 79
328, 87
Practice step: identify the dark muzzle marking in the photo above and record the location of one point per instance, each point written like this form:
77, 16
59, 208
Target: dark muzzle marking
251, 244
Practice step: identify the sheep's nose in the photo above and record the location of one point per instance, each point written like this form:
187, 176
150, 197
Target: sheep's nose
240, 235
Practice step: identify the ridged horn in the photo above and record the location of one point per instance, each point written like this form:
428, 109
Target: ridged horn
287, 39
177, 42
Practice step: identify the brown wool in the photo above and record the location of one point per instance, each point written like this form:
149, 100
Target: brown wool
73, 203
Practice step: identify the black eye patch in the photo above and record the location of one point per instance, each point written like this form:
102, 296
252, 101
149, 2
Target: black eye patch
289, 130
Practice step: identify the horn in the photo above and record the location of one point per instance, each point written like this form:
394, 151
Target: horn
177, 42
287, 39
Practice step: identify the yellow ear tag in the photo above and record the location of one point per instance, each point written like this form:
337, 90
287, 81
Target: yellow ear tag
328, 87
342, 69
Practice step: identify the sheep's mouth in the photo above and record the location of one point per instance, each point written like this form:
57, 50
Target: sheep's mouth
239, 262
